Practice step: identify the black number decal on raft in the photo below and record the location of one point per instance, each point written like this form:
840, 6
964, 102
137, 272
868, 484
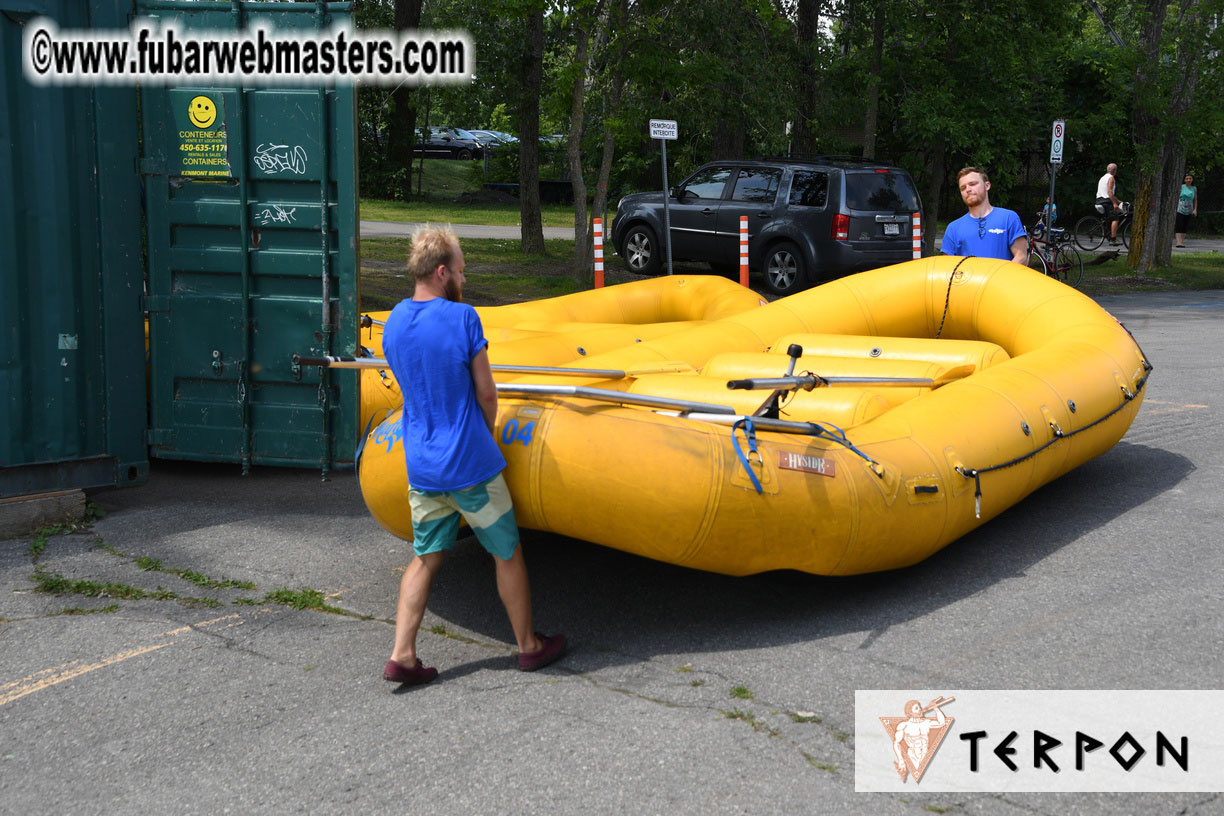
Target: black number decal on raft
512, 433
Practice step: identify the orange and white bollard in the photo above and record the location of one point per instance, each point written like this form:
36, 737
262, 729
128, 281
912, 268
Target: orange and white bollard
599, 278
743, 251
917, 235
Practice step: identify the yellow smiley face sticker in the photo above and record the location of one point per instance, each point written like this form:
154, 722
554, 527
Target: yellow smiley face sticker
202, 112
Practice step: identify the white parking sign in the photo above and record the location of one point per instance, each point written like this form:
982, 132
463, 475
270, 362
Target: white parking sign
662, 129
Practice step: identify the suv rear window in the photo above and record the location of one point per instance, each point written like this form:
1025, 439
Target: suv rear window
880, 191
809, 189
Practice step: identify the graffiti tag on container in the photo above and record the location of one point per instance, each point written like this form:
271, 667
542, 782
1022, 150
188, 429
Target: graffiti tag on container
277, 158
275, 214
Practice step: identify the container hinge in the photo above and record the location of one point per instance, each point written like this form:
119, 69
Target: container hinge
155, 303
159, 436
151, 166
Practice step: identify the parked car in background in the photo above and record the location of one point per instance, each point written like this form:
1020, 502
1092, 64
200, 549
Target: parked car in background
808, 219
448, 143
493, 138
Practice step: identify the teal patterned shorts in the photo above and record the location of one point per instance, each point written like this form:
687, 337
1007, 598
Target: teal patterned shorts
486, 507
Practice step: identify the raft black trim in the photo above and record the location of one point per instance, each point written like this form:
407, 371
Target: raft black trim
1057, 434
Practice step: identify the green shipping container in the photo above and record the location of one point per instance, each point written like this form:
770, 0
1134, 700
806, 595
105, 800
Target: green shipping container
231, 237
72, 359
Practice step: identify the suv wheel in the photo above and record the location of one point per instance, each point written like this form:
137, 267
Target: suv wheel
784, 272
464, 154
641, 250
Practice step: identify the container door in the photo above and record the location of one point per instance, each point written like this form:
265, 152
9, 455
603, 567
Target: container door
252, 234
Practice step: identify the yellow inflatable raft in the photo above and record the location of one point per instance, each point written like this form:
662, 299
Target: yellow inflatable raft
875, 419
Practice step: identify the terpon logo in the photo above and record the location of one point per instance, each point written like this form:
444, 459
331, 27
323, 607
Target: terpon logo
916, 737
1047, 741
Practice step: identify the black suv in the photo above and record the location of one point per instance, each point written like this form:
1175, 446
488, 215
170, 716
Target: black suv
808, 219
448, 143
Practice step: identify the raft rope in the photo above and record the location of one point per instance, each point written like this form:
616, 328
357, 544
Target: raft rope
749, 428
948, 297
1057, 433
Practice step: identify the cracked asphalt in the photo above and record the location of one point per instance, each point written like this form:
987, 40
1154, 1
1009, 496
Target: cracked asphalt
211, 701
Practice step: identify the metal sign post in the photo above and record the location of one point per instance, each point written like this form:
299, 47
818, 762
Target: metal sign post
1057, 139
665, 130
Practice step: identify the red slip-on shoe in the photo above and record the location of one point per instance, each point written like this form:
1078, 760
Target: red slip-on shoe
409, 675
552, 648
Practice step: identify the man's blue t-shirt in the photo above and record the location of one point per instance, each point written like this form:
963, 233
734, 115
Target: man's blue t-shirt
430, 345
999, 229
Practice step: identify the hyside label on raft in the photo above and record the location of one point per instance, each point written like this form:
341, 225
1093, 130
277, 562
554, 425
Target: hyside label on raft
789, 460
1002, 741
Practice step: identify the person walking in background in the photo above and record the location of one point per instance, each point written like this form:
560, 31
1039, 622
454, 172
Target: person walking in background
1187, 208
436, 348
984, 231
1107, 200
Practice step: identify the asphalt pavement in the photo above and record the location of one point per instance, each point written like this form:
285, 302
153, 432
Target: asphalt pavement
685, 692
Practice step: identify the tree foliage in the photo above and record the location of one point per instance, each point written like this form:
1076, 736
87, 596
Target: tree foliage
930, 84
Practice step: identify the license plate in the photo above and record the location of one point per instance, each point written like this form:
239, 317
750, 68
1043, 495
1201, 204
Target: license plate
892, 229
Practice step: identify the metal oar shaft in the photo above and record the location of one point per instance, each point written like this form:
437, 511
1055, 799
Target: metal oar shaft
809, 382
610, 395
340, 362
379, 362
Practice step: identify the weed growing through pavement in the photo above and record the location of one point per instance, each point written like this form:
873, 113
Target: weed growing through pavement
687, 667
92, 513
804, 717
56, 584
154, 565
77, 610
742, 693
302, 598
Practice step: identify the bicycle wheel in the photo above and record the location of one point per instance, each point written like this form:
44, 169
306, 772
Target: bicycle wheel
1089, 233
1068, 265
1036, 262
1126, 234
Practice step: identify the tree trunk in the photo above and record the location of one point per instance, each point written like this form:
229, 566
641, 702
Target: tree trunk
611, 106
1145, 127
936, 167
583, 251
402, 125
871, 123
805, 139
529, 137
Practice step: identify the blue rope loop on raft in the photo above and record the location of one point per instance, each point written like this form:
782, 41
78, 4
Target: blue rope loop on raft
749, 428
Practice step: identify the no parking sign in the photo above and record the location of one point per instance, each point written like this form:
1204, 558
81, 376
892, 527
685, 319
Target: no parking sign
1056, 142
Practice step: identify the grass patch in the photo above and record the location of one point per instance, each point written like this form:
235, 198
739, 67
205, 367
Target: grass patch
78, 610
154, 565
56, 584
938, 809
804, 717
687, 667
697, 683
497, 272
742, 693
247, 602
197, 603
748, 717
92, 513
301, 598
1192, 272
440, 207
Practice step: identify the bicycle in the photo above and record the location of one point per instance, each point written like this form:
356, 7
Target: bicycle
1091, 230
1056, 256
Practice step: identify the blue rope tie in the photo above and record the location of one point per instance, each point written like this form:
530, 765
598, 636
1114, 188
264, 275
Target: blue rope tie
750, 437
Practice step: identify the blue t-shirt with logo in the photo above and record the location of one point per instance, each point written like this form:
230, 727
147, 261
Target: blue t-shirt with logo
430, 345
999, 229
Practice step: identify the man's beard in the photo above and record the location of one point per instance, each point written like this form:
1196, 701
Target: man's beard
453, 291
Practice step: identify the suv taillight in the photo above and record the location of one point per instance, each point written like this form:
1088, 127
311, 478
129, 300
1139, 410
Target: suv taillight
841, 227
